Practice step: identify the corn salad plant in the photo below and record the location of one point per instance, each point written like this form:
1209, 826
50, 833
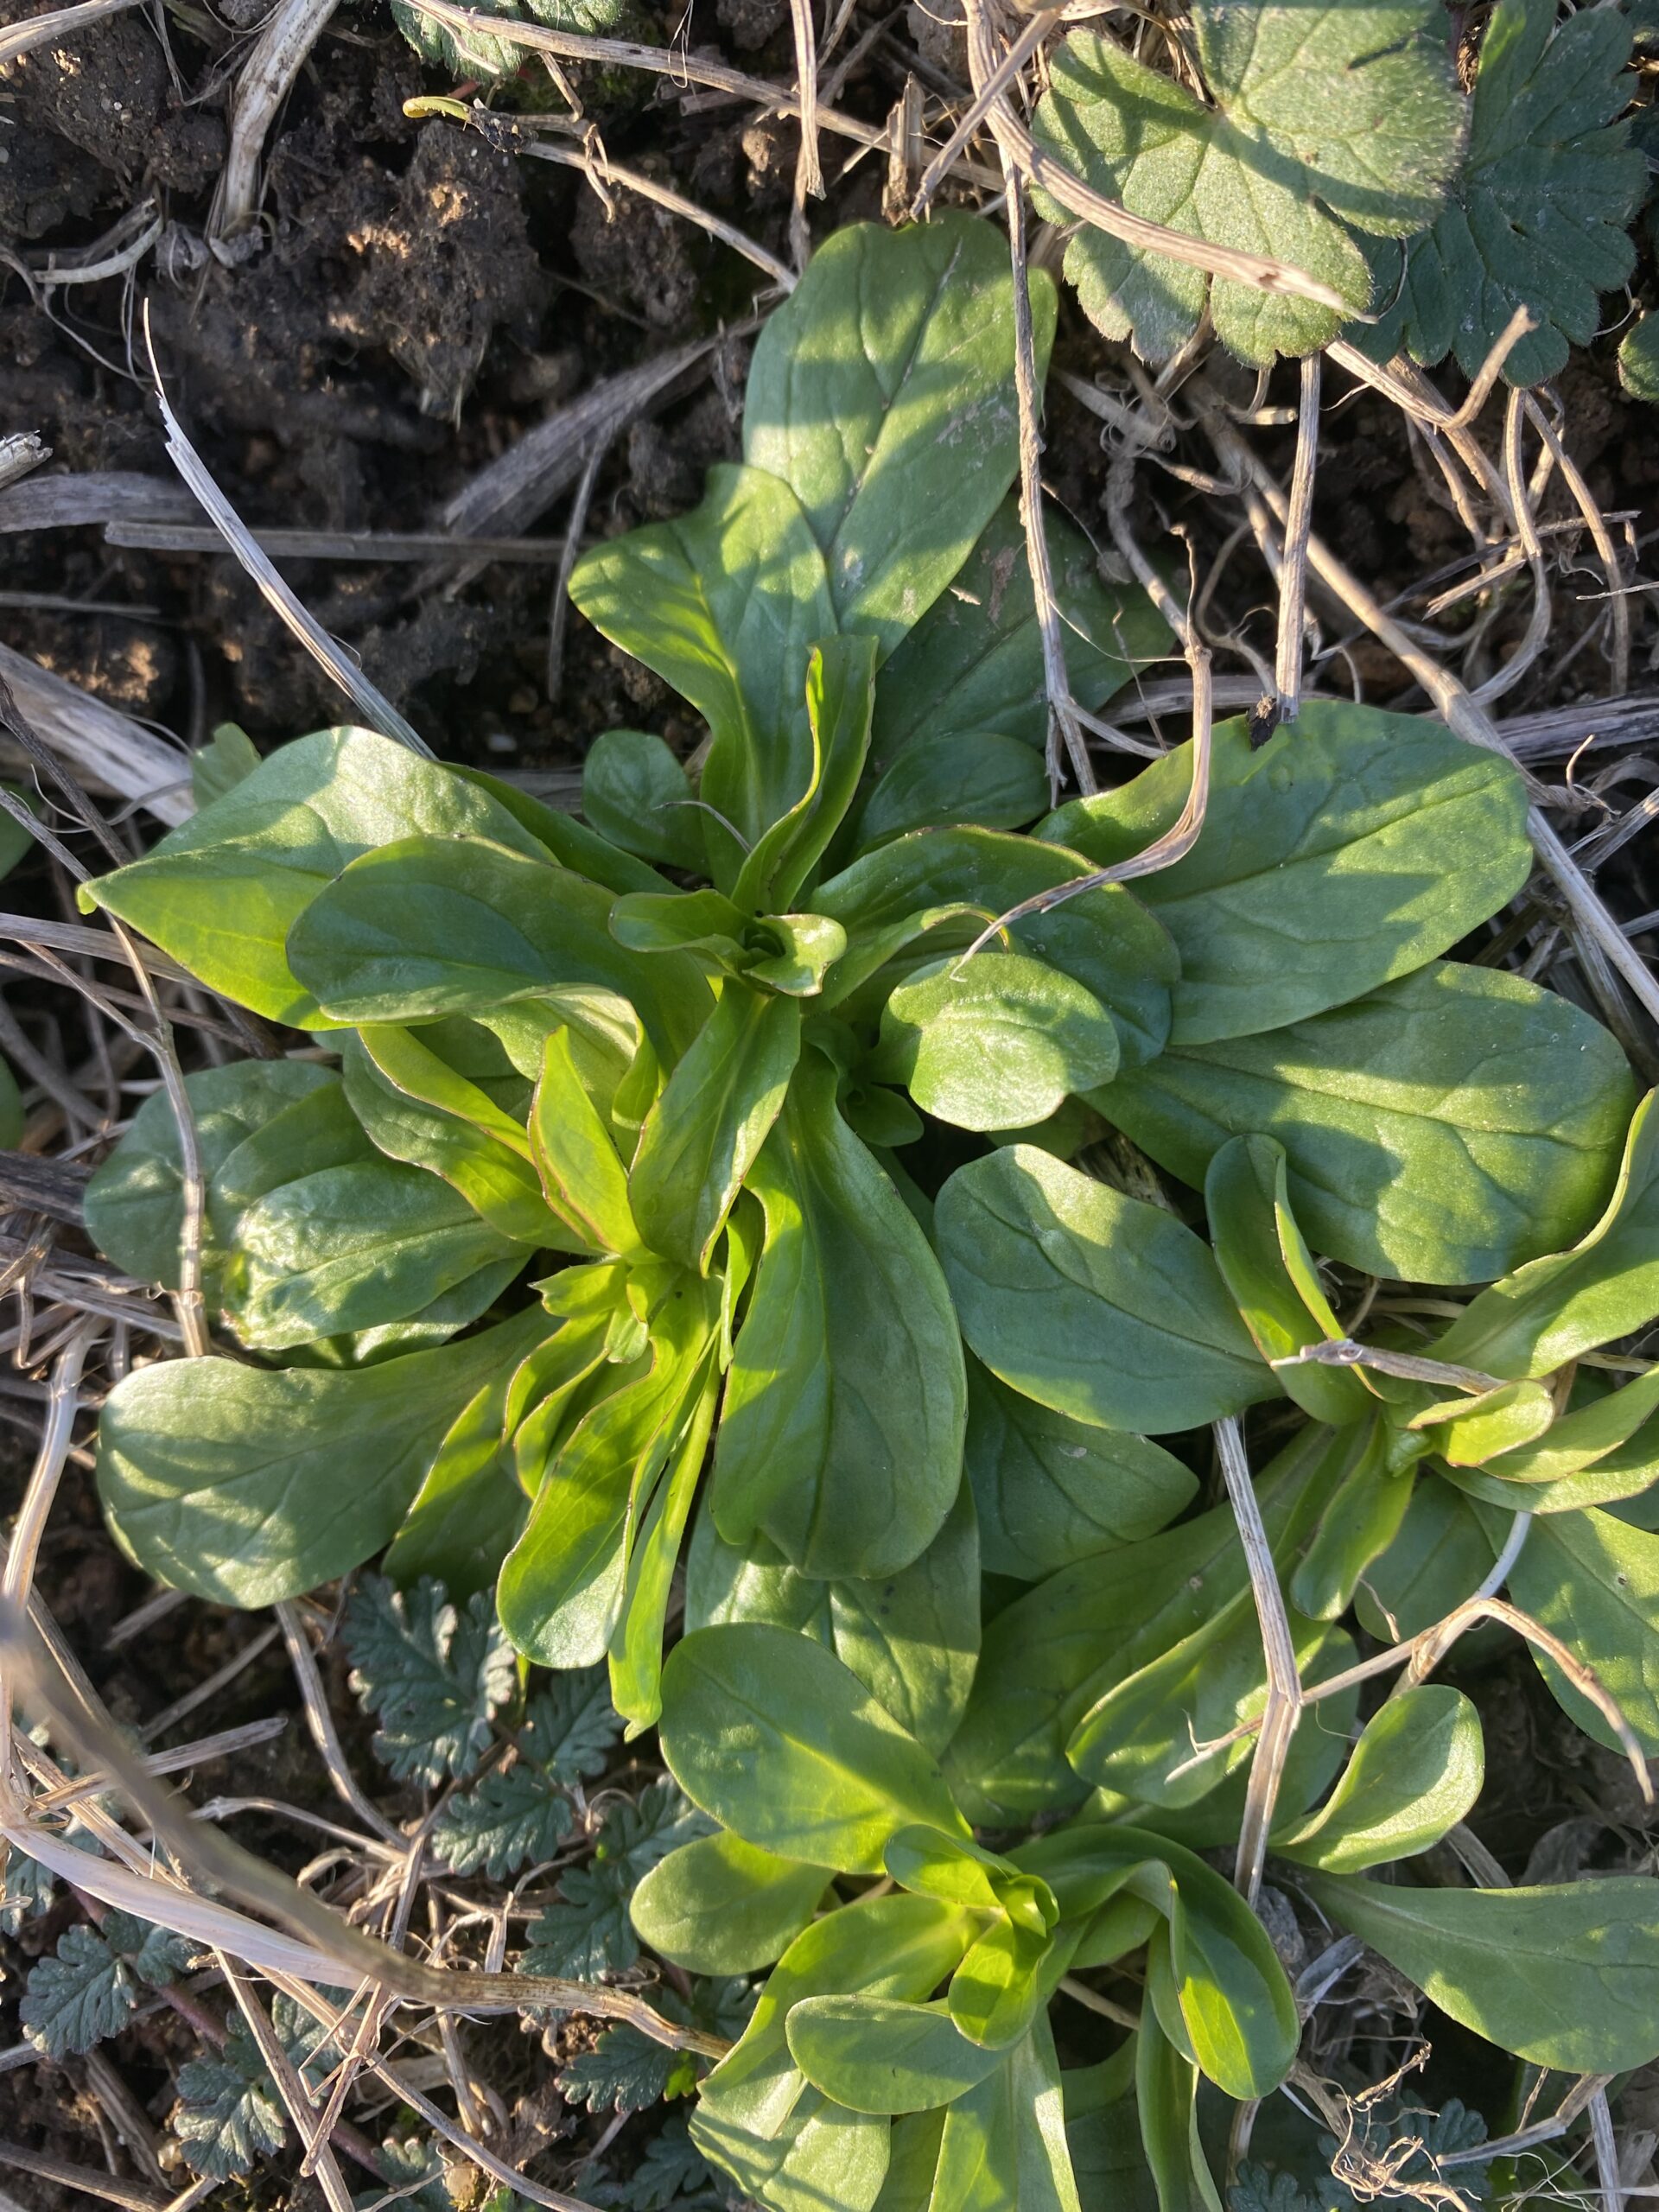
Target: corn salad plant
782, 1216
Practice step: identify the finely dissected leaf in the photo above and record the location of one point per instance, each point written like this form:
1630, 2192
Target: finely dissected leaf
973, 664
504, 1822
1050, 1489
840, 1436
1562, 1976
1638, 359
451, 926
626, 2071
725, 604
673, 2170
719, 1905
996, 1042
91, 1985
1103, 937
882, 393
1047, 1266
637, 1834
1415, 1773
432, 1674
1442, 1130
571, 1727
635, 792
229, 2115
701, 1138
225, 1480
134, 1202
912, 1638
1052, 1653
1607, 1286
1537, 218
1593, 1581
221, 893
589, 1935
783, 1744
1324, 120
1352, 847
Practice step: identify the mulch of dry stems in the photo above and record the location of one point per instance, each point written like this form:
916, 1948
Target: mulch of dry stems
422, 300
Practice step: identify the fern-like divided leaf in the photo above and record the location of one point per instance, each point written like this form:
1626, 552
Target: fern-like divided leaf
91, 1985
504, 1822
230, 2115
673, 2172
625, 2071
1327, 120
433, 1675
1538, 217
588, 1934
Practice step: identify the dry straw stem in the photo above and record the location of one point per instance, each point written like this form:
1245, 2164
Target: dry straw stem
1277, 1724
61, 22
108, 750
596, 164
261, 87
1293, 573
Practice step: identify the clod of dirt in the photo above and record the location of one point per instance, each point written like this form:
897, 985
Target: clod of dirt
42, 182
104, 91
640, 254
750, 23
940, 30
445, 266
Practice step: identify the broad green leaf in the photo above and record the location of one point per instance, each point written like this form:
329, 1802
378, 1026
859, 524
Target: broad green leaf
915, 2156
1050, 1489
1538, 217
651, 1538
881, 393
353, 1248
878, 2054
439, 925
1442, 1130
996, 1042
912, 1638
1352, 847
1638, 359
784, 1746
1049, 1656
976, 776
635, 792
430, 1066
841, 1437
1439, 1557
225, 1480
701, 1138
1103, 937
582, 1175
1270, 1274
1562, 1976
1416, 1772
725, 604
1361, 1521
1047, 1266
1583, 1437
1607, 1286
1593, 1581
562, 1587
490, 1172
1166, 2095
1322, 121
719, 1905
994, 1993
222, 892
974, 663
758, 2116
840, 694
468, 1512
1004, 2140
135, 1202
229, 757
1469, 1431
569, 841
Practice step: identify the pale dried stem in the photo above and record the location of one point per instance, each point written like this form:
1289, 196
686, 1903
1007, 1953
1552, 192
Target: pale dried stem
1292, 570
809, 173
1537, 631
581, 499
992, 88
61, 24
320, 2158
321, 1721
262, 85
599, 165
1618, 591
1278, 1720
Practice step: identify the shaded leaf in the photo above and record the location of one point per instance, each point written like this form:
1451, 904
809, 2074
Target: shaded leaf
432, 1674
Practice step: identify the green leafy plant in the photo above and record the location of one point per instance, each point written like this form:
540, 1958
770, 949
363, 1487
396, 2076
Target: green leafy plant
827, 1106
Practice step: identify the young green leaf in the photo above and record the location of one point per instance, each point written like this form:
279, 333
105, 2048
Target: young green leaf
1415, 1773
1004, 2140
1361, 1521
721, 1905
1538, 217
912, 1638
877, 2054
980, 776
996, 1042
840, 695
1045, 1266
635, 792
1466, 1431
1552, 1309
221, 893
1050, 1489
432, 1673
725, 604
1442, 1129
1349, 849
1321, 122
1562, 1976
1583, 1439
468, 1511
582, 1175
881, 393
841, 1437
701, 1138
440, 926
224, 1480
1593, 1581
972, 665
229, 757
784, 1746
